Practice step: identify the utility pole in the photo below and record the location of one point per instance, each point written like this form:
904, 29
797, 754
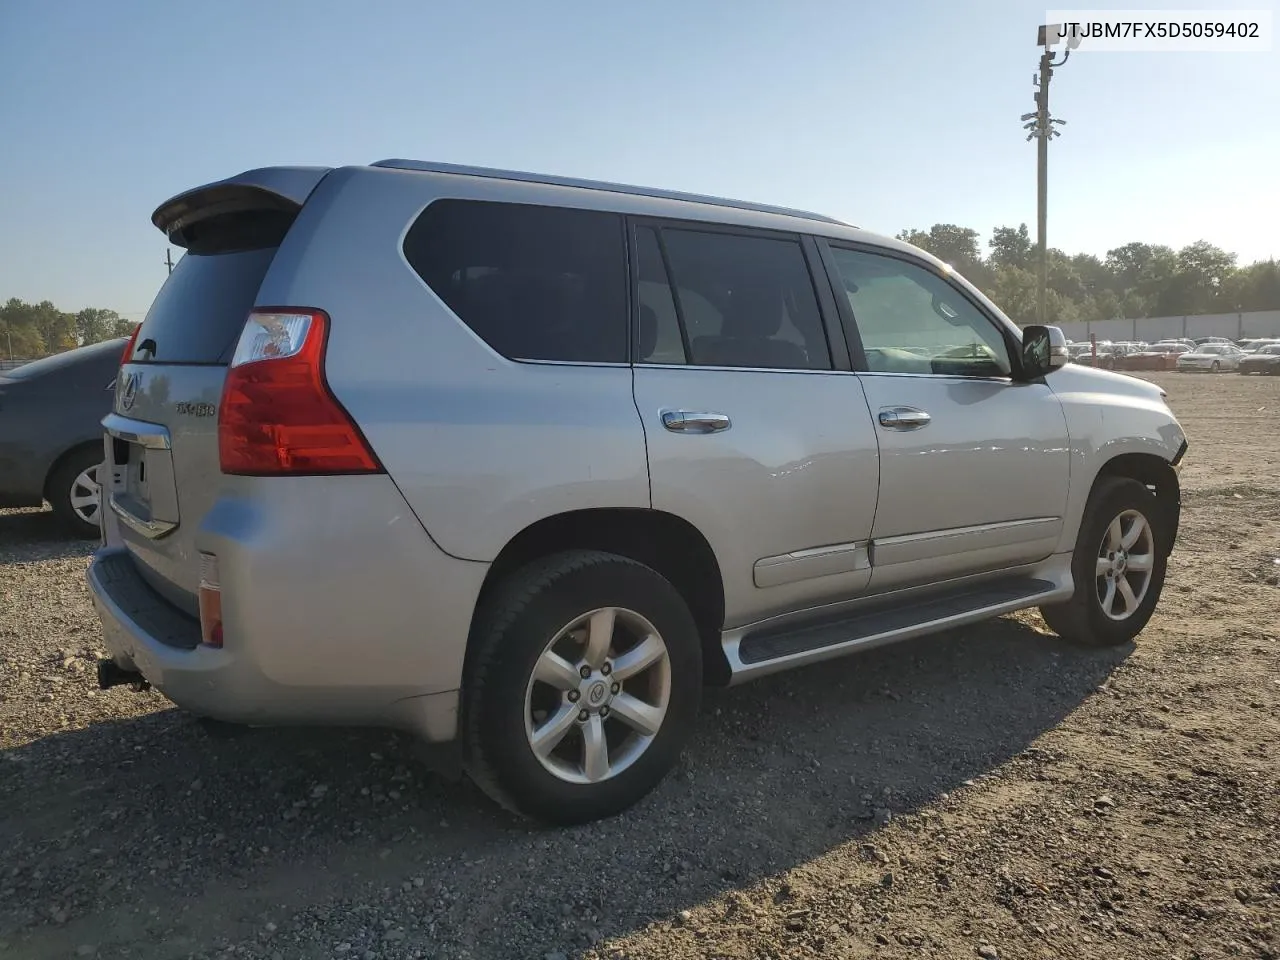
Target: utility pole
168, 259
1044, 132
1042, 128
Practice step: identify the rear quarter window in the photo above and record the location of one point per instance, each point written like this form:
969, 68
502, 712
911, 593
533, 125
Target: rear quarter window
533, 282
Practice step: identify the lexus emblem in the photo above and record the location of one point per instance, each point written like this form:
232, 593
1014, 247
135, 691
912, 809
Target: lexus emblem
129, 390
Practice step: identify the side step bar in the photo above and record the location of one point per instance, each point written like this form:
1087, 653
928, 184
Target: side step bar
767, 649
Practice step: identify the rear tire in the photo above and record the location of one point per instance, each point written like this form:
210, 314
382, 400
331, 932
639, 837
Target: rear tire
75, 495
582, 686
1118, 566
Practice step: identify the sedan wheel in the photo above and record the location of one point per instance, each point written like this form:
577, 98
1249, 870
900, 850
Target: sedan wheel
86, 496
75, 494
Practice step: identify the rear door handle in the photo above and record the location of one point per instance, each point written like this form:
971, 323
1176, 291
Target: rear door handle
685, 421
903, 418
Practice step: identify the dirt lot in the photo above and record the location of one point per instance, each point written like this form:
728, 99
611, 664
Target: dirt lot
988, 792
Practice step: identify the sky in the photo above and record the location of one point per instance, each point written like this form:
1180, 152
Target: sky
888, 116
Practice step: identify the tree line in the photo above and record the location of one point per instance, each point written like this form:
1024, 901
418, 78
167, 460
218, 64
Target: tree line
1135, 280
32, 330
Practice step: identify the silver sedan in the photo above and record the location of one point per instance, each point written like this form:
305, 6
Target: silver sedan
1211, 358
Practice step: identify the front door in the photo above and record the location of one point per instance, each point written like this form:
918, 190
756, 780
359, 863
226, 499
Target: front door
752, 436
974, 466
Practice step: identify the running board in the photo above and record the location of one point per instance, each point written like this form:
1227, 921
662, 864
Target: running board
768, 649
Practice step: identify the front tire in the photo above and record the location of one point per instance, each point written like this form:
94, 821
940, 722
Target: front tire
582, 687
1118, 566
75, 494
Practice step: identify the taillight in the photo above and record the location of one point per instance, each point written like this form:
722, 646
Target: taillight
210, 601
128, 347
277, 414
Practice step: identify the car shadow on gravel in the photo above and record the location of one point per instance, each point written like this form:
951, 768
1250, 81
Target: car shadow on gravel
148, 827
39, 536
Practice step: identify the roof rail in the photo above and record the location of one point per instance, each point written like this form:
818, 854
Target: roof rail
432, 167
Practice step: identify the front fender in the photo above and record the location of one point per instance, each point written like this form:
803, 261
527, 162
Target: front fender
1108, 416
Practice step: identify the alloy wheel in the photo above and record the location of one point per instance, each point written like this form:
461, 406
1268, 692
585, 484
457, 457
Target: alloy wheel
598, 695
1125, 562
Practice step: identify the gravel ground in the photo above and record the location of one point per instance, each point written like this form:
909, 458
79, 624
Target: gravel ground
990, 792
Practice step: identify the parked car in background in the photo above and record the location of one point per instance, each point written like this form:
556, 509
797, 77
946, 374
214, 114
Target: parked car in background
51, 414
1265, 360
1087, 355
524, 461
1110, 355
1157, 356
1210, 358
1201, 341
1125, 348
1253, 344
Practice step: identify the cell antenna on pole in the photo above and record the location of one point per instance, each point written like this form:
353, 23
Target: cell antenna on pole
1041, 127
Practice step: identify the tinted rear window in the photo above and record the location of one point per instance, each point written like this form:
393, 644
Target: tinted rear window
199, 312
535, 283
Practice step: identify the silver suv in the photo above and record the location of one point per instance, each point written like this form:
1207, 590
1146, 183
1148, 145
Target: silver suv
523, 462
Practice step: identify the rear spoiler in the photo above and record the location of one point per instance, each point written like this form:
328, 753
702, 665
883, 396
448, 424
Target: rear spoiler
282, 189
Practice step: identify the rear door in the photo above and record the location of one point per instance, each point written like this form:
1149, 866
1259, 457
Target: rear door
757, 432
162, 443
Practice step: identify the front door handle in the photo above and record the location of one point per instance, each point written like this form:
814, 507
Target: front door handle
684, 421
903, 418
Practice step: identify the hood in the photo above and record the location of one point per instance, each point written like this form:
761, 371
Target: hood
1076, 378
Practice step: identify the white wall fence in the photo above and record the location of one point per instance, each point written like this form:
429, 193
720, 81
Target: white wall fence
1262, 323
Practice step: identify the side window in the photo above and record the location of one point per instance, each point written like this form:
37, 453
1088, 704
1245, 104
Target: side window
745, 301
535, 283
912, 321
657, 322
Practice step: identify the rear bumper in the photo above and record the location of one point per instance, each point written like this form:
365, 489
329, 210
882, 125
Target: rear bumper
340, 612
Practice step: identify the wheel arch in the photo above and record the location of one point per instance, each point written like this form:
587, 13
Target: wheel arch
1158, 475
663, 541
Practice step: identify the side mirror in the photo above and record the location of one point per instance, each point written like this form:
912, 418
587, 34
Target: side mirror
1044, 349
